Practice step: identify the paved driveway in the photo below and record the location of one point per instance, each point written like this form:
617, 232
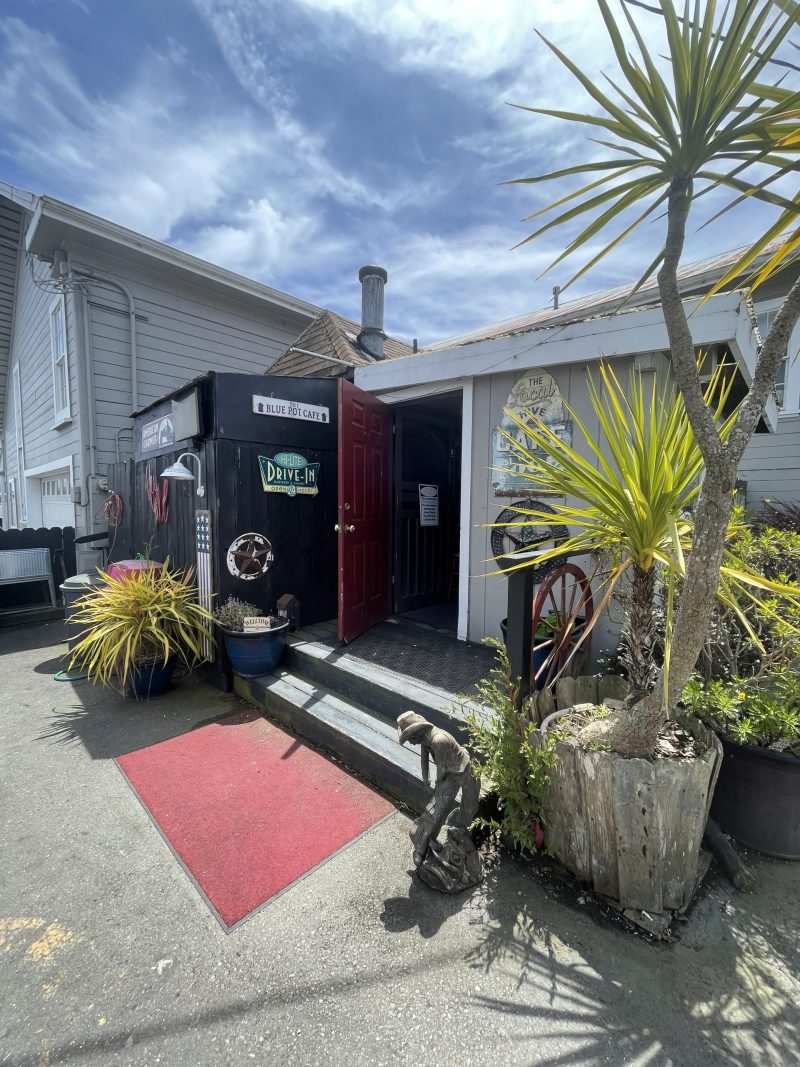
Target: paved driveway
109, 955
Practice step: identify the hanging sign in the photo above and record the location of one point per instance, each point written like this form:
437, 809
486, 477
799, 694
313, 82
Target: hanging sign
535, 395
250, 556
429, 505
289, 473
160, 433
290, 409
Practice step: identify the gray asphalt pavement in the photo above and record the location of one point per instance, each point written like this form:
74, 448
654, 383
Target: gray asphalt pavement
108, 955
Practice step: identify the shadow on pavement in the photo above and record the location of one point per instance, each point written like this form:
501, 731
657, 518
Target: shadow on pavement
723, 994
28, 638
423, 908
109, 725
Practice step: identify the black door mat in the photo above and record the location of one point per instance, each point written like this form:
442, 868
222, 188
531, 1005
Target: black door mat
418, 652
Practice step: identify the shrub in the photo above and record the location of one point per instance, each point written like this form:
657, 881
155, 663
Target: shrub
764, 713
233, 612
505, 758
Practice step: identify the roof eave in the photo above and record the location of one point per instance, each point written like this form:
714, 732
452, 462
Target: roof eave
53, 222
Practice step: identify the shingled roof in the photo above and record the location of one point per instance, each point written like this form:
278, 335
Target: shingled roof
330, 335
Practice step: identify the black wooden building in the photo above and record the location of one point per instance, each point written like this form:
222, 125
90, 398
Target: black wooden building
268, 454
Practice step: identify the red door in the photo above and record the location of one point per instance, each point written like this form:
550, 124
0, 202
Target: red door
364, 511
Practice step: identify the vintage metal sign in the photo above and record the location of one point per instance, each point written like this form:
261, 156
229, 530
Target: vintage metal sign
160, 433
289, 473
290, 409
536, 395
250, 556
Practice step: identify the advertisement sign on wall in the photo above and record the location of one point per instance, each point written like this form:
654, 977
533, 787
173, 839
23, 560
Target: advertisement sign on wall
289, 473
534, 395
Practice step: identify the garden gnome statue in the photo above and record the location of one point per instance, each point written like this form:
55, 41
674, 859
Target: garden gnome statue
454, 864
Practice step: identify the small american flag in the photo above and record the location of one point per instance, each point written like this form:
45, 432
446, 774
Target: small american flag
202, 529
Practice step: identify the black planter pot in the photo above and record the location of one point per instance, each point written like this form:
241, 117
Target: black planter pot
757, 799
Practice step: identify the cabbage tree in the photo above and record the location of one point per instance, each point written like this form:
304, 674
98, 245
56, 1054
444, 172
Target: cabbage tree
724, 116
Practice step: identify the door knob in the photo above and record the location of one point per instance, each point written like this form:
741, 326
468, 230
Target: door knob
336, 527
350, 529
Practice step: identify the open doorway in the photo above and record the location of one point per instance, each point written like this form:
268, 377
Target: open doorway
427, 493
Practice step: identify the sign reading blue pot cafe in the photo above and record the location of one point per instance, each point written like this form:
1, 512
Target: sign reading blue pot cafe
289, 473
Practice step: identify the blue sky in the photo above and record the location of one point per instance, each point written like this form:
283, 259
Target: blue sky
294, 141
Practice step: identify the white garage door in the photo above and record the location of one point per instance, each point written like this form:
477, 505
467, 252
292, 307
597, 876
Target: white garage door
57, 507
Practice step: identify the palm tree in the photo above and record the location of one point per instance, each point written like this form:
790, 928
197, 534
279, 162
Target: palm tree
633, 510
712, 123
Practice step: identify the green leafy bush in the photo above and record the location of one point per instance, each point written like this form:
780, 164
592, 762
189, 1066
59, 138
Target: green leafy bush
764, 713
505, 758
764, 632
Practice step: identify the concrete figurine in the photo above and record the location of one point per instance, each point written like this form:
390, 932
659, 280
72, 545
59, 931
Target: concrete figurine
452, 865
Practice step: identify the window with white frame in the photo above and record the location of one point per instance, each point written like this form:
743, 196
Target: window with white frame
58, 344
787, 383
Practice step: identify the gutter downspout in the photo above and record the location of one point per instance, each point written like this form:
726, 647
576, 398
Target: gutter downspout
105, 279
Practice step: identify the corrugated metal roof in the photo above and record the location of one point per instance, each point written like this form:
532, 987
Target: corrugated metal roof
694, 277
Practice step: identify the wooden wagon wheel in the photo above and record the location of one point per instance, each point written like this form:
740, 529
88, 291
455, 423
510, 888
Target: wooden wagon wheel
562, 607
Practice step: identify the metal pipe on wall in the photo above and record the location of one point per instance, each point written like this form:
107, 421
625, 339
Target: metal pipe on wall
106, 279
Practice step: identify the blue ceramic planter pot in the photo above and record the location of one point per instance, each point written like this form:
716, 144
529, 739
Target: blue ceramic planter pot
152, 680
255, 654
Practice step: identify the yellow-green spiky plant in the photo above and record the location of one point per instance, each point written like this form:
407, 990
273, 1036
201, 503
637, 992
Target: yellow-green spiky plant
134, 621
710, 109
628, 496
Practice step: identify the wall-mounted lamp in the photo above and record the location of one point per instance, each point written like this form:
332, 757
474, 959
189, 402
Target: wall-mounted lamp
182, 473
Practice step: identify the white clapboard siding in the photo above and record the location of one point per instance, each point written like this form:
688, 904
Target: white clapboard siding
182, 330
771, 464
31, 351
9, 253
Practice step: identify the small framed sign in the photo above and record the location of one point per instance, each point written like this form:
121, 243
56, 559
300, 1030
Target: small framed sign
290, 409
255, 623
429, 505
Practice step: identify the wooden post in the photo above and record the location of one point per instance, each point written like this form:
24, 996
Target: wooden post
518, 633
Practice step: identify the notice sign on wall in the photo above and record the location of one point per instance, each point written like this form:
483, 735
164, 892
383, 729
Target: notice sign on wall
429, 505
290, 409
160, 433
289, 473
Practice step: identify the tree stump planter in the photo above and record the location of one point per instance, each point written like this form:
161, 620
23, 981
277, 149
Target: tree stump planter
632, 828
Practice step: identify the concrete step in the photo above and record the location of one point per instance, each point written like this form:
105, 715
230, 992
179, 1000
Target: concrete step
362, 740
382, 691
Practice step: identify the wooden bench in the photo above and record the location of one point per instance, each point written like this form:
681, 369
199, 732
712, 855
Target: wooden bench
27, 565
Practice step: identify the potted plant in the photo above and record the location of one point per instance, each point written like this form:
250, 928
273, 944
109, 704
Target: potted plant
257, 649
632, 827
757, 799
138, 627
748, 690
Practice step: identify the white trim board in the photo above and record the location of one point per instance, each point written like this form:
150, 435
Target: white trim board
64, 463
465, 513
717, 320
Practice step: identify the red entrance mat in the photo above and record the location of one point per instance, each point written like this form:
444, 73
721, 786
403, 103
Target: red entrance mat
248, 809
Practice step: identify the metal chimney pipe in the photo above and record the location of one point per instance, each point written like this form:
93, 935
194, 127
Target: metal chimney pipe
373, 279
